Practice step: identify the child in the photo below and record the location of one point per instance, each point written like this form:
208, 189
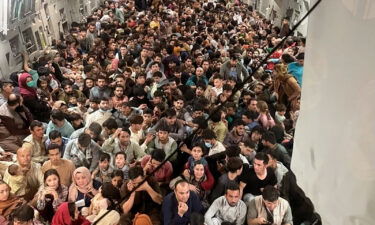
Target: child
117, 178
80, 108
72, 101
18, 183
76, 120
105, 199
121, 164
196, 156
103, 173
94, 105
280, 114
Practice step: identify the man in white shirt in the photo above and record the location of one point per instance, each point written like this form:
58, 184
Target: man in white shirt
227, 208
136, 132
100, 115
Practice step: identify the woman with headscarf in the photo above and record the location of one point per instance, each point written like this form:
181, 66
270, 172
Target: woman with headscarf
286, 87
39, 109
8, 202
68, 214
83, 187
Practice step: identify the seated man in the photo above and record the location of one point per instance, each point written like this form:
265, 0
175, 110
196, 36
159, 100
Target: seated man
278, 167
83, 152
59, 123
150, 162
161, 140
227, 208
120, 142
65, 168
253, 181
181, 112
30, 170
176, 127
14, 123
237, 135
94, 130
110, 126
100, 115
210, 141
269, 208
180, 204
136, 131
36, 142
124, 113
6, 89
234, 167
144, 198
248, 150
68, 91
269, 141
56, 138
218, 126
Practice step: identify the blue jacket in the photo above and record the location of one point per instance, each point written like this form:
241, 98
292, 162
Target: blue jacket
193, 80
170, 209
297, 71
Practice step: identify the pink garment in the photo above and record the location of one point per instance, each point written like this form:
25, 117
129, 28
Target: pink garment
25, 90
114, 64
266, 120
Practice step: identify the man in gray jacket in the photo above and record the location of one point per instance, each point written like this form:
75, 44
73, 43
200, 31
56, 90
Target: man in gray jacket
234, 68
83, 152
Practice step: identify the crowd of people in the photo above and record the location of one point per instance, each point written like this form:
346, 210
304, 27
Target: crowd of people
139, 116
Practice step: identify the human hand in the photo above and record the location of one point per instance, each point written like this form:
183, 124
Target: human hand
186, 174
133, 164
130, 186
262, 220
147, 167
184, 148
142, 106
182, 208
52, 192
117, 132
149, 137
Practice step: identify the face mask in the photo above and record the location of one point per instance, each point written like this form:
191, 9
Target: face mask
30, 84
208, 144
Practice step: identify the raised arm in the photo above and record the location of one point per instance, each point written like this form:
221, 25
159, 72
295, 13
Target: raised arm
26, 62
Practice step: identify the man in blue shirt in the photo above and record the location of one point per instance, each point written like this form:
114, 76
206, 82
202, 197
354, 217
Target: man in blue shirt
59, 123
180, 204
